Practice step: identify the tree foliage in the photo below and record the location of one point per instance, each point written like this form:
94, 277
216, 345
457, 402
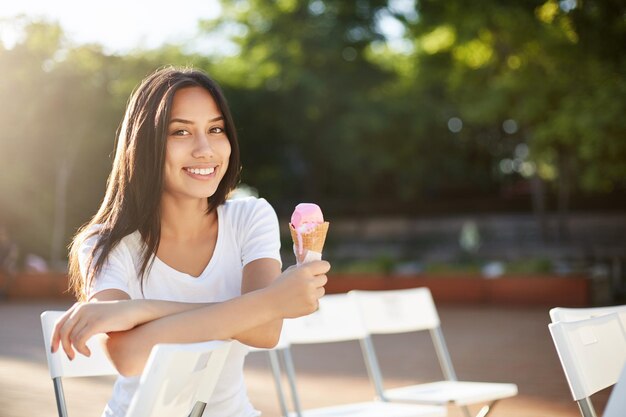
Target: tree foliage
470, 98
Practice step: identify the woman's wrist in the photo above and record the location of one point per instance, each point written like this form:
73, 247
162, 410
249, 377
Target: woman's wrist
139, 311
144, 311
269, 303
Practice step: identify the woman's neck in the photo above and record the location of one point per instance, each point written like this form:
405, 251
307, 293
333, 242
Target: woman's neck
185, 220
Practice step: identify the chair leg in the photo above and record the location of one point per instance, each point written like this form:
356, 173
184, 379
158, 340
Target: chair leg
198, 409
60, 396
373, 369
586, 408
291, 376
486, 409
276, 373
466, 411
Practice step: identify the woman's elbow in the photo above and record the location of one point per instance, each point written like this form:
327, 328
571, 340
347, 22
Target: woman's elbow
268, 339
121, 354
268, 342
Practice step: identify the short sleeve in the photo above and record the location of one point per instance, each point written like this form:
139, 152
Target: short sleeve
261, 234
115, 270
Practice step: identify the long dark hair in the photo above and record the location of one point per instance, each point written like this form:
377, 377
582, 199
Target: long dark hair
135, 185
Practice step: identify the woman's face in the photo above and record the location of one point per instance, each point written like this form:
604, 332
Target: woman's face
197, 150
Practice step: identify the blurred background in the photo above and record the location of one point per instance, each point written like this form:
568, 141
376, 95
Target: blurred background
458, 136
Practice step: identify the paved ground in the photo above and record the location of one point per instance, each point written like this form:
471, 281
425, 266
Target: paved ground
486, 343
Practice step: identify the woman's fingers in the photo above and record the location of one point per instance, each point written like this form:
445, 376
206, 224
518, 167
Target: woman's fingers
320, 292
59, 327
79, 340
75, 321
320, 280
300, 288
56, 333
84, 320
79, 337
318, 267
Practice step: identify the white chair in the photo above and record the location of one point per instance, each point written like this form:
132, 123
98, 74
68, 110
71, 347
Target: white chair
412, 310
581, 313
592, 353
568, 314
338, 320
178, 379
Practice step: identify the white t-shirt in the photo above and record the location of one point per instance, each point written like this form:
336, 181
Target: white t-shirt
247, 230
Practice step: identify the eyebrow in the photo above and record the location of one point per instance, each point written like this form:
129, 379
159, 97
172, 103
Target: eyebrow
189, 122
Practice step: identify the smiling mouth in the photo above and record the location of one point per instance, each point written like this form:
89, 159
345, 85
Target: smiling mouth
201, 171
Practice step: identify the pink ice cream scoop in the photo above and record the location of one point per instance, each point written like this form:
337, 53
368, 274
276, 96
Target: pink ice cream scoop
306, 216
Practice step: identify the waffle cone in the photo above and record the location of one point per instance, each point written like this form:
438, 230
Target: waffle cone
314, 240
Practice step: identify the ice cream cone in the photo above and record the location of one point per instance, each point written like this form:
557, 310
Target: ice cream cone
311, 241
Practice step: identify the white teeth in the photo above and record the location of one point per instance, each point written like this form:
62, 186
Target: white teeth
202, 171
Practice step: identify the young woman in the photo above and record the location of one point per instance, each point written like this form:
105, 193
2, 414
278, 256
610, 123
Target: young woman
167, 259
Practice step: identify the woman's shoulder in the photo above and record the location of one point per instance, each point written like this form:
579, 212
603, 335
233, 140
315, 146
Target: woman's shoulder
245, 206
242, 211
90, 236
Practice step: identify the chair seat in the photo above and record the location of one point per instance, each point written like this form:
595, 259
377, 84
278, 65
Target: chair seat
375, 409
457, 392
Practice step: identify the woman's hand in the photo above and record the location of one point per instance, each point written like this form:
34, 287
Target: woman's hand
298, 289
84, 320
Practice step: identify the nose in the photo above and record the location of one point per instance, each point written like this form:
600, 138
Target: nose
202, 147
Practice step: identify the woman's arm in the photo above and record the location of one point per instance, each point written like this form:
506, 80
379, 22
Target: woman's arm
115, 312
256, 275
293, 294
107, 311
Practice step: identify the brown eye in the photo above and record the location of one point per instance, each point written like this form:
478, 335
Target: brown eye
180, 132
217, 130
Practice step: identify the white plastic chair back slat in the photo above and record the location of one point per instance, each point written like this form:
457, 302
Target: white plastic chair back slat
336, 320
592, 352
575, 314
176, 376
210, 378
397, 311
58, 363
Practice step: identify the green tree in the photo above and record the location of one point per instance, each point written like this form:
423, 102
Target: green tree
308, 98
557, 69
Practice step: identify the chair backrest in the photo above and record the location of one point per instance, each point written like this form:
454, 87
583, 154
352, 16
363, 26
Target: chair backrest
402, 311
592, 352
58, 363
397, 311
176, 376
575, 314
336, 320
